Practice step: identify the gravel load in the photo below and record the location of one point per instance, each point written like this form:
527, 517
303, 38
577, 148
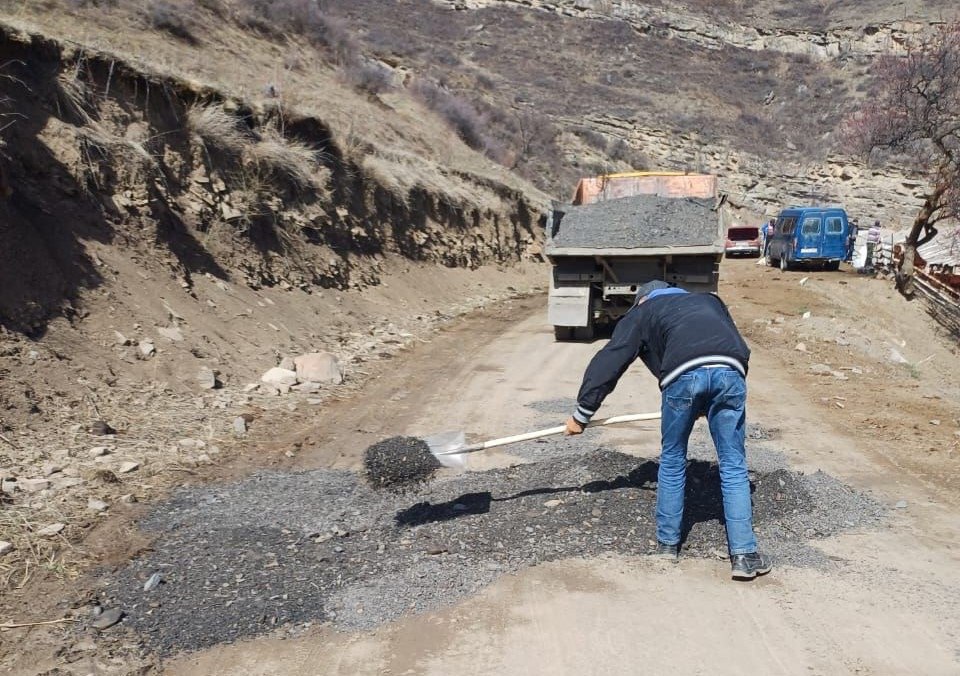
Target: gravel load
642, 221
289, 549
399, 462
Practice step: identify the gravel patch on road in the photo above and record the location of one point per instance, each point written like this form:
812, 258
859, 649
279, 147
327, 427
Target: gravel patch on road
643, 221
288, 549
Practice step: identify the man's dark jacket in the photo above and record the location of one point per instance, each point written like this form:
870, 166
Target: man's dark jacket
672, 334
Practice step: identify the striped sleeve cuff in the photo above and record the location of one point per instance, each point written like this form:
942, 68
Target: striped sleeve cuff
582, 415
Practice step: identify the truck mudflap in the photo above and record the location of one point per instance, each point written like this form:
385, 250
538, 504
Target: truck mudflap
569, 305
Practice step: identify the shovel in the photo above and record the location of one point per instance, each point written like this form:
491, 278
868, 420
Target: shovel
450, 448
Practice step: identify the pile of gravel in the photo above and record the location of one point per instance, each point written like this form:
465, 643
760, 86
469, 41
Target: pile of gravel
399, 463
288, 549
642, 221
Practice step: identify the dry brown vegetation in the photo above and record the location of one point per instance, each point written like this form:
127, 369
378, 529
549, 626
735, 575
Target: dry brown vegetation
514, 64
511, 83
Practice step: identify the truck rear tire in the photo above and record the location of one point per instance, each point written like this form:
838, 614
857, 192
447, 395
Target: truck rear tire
584, 332
784, 263
832, 265
562, 333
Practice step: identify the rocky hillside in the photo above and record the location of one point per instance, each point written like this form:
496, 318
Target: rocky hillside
174, 172
751, 91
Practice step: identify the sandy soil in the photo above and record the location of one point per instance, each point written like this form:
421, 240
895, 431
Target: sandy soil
889, 606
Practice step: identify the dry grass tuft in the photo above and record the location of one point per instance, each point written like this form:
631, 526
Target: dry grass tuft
72, 96
125, 152
293, 159
33, 554
216, 127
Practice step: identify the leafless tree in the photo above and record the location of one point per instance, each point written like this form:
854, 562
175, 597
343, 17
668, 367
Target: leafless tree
912, 115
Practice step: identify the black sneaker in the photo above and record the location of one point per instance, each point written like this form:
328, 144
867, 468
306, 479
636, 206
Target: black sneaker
748, 566
664, 551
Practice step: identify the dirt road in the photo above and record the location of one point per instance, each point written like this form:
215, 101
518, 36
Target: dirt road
887, 602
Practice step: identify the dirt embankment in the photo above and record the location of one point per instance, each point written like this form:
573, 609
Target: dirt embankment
177, 173
155, 231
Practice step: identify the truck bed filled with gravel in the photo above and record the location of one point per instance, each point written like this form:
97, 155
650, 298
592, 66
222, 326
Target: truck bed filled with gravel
291, 549
644, 221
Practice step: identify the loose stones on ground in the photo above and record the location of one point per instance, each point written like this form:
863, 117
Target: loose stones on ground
51, 530
107, 619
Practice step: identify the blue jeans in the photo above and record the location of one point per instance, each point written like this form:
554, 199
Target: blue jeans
721, 394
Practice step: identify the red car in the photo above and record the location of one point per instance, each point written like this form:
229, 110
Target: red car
742, 241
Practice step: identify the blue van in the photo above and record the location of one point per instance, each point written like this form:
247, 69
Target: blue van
814, 236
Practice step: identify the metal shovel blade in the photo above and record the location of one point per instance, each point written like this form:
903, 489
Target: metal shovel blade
444, 445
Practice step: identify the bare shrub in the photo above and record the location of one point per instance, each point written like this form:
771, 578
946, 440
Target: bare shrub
368, 76
173, 18
446, 58
216, 127
292, 61
591, 137
536, 137
460, 114
216, 7
621, 151
484, 81
388, 40
302, 17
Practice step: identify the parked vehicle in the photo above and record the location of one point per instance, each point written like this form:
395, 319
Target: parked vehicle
742, 241
809, 236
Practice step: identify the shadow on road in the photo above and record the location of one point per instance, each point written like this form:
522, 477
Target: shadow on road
703, 499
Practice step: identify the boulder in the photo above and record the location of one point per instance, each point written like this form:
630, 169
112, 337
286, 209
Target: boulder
279, 377
96, 505
171, 333
33, 485
319, 367
240, 425
127, 467
147, 348
207, 378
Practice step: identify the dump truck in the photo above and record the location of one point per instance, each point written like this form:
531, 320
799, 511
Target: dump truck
622, 230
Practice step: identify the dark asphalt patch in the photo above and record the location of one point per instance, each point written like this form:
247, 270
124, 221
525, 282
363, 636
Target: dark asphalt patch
290, 549
399, 463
